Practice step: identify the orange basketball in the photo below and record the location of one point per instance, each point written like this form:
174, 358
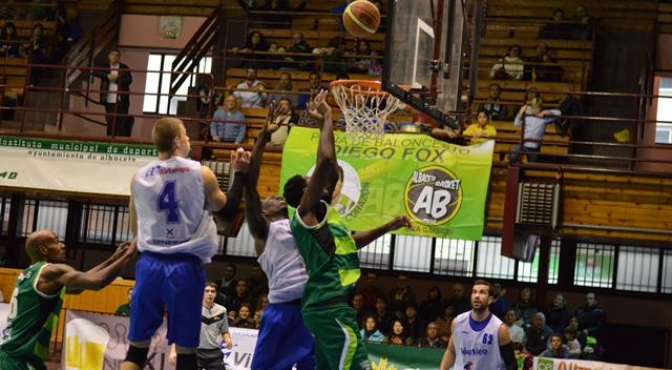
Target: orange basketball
361, 18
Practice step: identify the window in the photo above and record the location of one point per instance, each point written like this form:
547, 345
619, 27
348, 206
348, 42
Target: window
528, 272
666, 286
594, 265
45, 214
490, 262
157, 84
5, 209
664, 113
377, 254
242, 245
454, 257
412, 253
637, 269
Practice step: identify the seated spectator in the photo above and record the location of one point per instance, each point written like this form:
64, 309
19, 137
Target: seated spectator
370, 291
458, 300
524, 358
228, 124
510, 67
285, 84
499, 305
314, 87
524, 308
261, 305
413, 326
401, 296
591, 317
533, 130
544, 67
516, 333
558, 29
299, 46
254, 43
251, 92
286, 118
125, 309
384, 318
430, 309
275, 59
537, 335
332, 55
37, 53
557, 349
244, 318
443, 323
398, 336
432, 339
556, 313
10, 42
481, 130
583, 29
370, 331
240, 297
573, 324
364, 59
357, 304
572, 343
283, 20
493, 107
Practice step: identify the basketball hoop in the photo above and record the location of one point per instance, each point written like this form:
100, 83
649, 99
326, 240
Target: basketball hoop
365, 107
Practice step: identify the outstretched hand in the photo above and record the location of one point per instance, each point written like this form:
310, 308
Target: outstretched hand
318, 107
125, 249
398, 222
240, 160
274, 110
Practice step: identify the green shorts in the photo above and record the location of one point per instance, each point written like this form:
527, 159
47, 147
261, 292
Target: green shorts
337, 342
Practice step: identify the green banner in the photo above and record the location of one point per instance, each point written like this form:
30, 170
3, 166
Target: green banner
441, 187
387, 357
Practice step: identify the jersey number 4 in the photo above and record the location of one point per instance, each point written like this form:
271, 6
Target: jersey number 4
167, 202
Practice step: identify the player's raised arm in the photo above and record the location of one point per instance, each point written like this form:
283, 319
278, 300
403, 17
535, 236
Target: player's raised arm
449, 356
226, 204
364, 238
325, 177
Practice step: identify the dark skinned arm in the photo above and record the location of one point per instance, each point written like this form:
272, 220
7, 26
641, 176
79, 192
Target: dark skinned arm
364, 238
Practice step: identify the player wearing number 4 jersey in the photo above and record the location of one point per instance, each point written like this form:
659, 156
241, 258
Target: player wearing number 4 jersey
170, 211
479, 340
38, 296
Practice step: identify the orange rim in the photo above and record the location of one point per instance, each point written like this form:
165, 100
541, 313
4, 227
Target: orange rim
364, 83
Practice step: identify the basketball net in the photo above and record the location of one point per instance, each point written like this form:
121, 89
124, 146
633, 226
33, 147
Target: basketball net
365, 107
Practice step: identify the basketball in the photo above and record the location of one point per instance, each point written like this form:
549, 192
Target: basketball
361, 18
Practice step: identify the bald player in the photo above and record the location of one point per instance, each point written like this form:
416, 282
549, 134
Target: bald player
38, 296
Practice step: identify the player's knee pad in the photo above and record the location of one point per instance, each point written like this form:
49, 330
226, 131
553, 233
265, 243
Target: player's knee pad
137, 355
186, 361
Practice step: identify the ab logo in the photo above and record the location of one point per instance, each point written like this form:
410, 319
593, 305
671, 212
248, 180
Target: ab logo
433, 195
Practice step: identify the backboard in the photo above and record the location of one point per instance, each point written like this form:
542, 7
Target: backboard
423, 49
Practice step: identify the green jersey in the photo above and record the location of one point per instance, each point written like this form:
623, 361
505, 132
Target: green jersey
330, 255
32, 318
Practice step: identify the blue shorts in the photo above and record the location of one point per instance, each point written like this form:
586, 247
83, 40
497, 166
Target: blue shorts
283, 340
172, 284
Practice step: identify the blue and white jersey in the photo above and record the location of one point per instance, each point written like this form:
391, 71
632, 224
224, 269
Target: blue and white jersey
171, 212
477, 343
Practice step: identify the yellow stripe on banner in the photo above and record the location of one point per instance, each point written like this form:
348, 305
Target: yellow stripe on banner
358, 22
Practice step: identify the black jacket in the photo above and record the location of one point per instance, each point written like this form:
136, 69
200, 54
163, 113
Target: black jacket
124, 80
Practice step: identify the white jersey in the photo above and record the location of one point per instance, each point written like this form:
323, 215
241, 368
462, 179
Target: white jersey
477, 344
282, 264
171, 212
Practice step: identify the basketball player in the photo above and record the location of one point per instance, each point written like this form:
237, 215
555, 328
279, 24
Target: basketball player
170, 214
330, 255
38, 296
479, 340
283, 338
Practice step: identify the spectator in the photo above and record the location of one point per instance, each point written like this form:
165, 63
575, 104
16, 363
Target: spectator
399, 336
558, 29
524, 358
357, 304
37, 53
125, 309
370, 291
286, 118
493, 107
228, 123
244, 319
556, 313
384, 318
241, 296
275, 59
430, 308
481, 130
314, 87
285, 84
591, 317
40, 10
431, 339
332, 55
366, 60
509, 67
443, 323
278, 20
458, 300
254, 43
583, 29
251, 92
69, 30
413, 325
543, 68
516, 333
557, 349
499, 304
370, 331
227, 285
257, 282
524, 308
261, 305
299, 46
533, 130
115, 82
10, 42
572, 343
401, 296
573, 324
537, 335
